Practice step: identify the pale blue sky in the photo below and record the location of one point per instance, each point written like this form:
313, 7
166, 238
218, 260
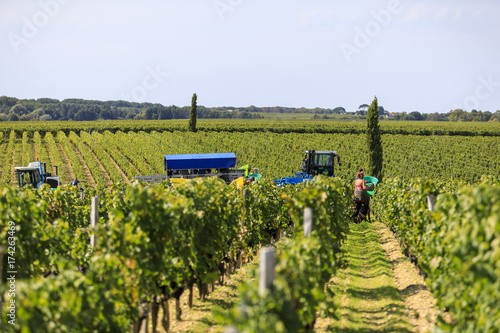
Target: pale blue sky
429, 56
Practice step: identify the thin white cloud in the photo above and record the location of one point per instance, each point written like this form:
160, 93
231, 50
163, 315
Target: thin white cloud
101, 49
351, 17
305, 18
479, 12
416, 13
442, 13
438, 12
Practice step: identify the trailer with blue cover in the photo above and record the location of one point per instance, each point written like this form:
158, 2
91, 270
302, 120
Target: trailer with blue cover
189, 166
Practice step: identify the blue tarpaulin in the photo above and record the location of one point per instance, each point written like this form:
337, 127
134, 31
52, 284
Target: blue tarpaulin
200, 161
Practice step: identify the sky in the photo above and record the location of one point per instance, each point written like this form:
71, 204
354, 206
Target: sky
426, 56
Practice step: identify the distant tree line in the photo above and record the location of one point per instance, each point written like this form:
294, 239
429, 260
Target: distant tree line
455, 115
281, 109
13, 109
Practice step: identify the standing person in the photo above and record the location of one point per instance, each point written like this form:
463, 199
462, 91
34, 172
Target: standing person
361, 197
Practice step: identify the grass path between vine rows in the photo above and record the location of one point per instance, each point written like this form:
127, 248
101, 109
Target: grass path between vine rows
379, 290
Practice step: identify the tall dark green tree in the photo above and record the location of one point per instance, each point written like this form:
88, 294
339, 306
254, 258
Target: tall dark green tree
192, 119
374, 141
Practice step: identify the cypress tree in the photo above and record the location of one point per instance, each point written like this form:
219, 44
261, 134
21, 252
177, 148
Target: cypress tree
374, 141
192, 120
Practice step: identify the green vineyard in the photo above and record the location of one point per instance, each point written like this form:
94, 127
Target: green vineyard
120, 265
103, 158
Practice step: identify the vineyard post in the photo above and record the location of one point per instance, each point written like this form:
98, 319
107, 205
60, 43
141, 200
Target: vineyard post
266, 269
81, 195
94, 216
231, 329
308, 221
233, 263
145, 321
239, 256
430, 202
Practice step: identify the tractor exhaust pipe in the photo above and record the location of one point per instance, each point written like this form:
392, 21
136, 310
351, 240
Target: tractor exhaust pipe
57, 173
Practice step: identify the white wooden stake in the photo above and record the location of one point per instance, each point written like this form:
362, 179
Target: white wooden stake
94, 217
231, 329
430, 202
308, 221
266, 269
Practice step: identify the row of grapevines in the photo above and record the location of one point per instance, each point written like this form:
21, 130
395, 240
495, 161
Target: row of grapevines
457, 245
17, 160
304, 265
103, 156
3, 148
151, 150
111, 148
76, 165
42, 154
99, 175
41, 151
26, 150
419, 128
278, 155
51, 234
6, 175
181, 238
265, 213
132, 150
49, 225
56, 157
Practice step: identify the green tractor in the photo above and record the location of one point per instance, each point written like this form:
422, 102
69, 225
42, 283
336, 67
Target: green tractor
315, 163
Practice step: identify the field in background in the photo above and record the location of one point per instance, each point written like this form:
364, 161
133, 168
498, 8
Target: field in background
257, 125
101, 154
310, 116
459, 236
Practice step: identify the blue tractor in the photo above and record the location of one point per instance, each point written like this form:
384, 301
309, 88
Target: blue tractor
35, 175
314, 163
